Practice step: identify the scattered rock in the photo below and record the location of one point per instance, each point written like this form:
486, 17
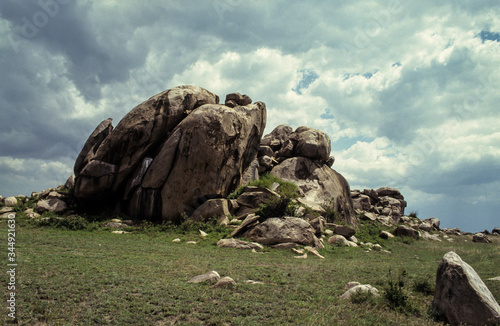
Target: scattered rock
407, 231
211, 277
350, 285
304, 256
314, 252
311, 143
115, 225
452, 231
434, 222
191, 242
119, 232
338, 240
238, 244
177, 240
365, 288
427, 236
481, 238
55, 205
494, 279
7, 209
116, 220
462, 296
203, 233
253, 282
225, 282
10, 201
282, 230
496, 231
249, 221
386, 235
345, 231
286, 245
212, 208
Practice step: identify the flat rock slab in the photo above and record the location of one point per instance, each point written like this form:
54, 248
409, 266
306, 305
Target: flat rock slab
211, 277
238, 244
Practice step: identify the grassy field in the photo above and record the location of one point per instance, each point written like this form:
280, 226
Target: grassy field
95, 277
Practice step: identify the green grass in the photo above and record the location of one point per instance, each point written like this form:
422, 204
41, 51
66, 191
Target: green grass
84, 277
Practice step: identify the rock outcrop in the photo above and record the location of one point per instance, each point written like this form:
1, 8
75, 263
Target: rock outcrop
170, 154
303, 157
462, 296
383, 202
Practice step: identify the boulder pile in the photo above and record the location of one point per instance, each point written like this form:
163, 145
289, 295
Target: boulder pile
386, 204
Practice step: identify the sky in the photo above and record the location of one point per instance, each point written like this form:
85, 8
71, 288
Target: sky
408, 91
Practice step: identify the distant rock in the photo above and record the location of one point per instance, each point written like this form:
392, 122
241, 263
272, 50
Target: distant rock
363, 288
407, 231
55, 205
213, 208
338, 240
10, 201
211, 277
311, 143
282, 230
225, 282
386, 235
481, 238
238, 244
496, 231
462, 296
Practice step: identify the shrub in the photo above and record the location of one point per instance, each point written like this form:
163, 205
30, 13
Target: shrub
424, 286
369, 231
74, 222
397, 296
331, 214
360, 297
413, 214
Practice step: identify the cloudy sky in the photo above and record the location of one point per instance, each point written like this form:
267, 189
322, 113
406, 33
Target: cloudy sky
408, 91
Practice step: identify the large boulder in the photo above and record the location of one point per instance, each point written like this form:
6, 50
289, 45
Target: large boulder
170, 154
311, 143
283, 230
319, 183
461, 296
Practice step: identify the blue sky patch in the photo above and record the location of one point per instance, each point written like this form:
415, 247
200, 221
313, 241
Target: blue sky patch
308, 77
486, 35
328, 115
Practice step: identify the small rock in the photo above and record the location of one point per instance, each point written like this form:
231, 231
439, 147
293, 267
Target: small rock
238, 244
338, 240
365, 288
211, 277
225, 282
52, 205
496, 231
386, 235
298, 251
191, 242
8, 209
253, 282
177, 240
313, 251
494, 279
328, 232
304, 256
286, 245
116, 220
407, 231
119, 232
203, 234
350, 285
344, 231
481, 238
10, 201
114, 225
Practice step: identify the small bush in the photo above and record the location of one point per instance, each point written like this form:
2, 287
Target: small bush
397, 296
331, 214
424, 286
413, 214
369, 231
73, 222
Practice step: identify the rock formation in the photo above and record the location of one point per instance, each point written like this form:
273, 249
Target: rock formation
170, 154
386, 203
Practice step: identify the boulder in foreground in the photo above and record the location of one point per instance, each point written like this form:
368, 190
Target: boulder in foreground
461, 296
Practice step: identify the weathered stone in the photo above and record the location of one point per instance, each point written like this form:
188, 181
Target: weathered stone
277, 137
10, 201
92, 144
330, 161
281, 230
225, 282
361, 202
211, 277
319, 183
311, 143
55, 205
344, 231
364, 288
495, 231
115, 225
70, 182
235, 99
254, 196
265, 151
407, 231
213, 208
386, 235
238, 244
313, 251
452, 231
350, 285
426, 236
481, 238
286, 245
338, 240
462, 296
388, 191
318, 223
249, 220
7, 209
286, 150
425, 226
367, 216
266, 162
434, 222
